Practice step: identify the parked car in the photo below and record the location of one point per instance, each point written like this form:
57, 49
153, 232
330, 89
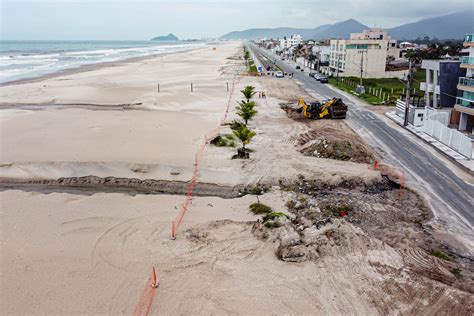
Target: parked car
324, 79
312, 74
317, 77
279, 74
298, 67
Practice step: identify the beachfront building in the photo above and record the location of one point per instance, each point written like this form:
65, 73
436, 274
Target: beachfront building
441, 82
465, 99
368, 50
288, 42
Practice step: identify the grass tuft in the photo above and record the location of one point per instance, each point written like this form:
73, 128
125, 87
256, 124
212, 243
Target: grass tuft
441, 255
260, 208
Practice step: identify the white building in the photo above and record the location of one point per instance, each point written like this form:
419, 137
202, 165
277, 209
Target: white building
293, 40
323, 52
367, 50
465, 99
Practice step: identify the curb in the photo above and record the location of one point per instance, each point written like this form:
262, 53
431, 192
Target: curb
460, 165
457, 163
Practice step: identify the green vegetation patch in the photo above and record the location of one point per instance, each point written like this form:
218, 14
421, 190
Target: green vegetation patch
260, 208
390, 86
441, 255
226, 140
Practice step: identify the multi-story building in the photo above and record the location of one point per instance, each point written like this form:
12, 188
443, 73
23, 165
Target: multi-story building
368, 51
441, 82
293, 40
465, 99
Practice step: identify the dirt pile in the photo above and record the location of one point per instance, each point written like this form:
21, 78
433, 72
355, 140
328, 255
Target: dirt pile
328, 142
367, 217
310, 241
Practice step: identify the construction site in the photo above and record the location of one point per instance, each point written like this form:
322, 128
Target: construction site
121, 198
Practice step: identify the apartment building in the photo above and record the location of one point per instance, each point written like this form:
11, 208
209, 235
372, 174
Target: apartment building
441, 82
465, 99
293, 40
368, 50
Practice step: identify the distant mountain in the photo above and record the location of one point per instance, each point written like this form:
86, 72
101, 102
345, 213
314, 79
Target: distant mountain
339, 30
280, 32
452, 26
168, 38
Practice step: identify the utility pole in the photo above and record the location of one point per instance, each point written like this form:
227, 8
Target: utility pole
408, 93
337, 68
361, 89
361, 65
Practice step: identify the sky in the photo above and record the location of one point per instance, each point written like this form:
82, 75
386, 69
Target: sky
144, 19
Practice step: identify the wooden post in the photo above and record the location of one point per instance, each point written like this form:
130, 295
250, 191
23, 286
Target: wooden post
227, 83
158, 88
191, 87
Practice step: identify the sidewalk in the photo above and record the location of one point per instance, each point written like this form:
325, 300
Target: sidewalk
417, 131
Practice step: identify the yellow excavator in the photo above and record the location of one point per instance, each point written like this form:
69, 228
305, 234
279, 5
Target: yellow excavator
333, 109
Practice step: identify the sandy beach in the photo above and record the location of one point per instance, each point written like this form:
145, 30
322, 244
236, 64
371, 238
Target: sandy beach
94, 167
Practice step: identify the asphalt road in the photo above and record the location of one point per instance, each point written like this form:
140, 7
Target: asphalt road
448, 193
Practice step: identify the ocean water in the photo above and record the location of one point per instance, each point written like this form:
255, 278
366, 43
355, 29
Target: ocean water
29, 59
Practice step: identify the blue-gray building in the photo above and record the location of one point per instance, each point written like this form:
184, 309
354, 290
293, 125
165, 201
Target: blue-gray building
441, 83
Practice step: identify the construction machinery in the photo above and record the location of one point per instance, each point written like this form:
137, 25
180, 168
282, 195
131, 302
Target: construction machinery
332, 109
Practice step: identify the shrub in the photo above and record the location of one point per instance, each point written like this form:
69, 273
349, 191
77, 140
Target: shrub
260, 208
226, 140
441, 255
271, 216
256, 191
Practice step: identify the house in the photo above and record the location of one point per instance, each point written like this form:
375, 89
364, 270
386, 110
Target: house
465, 98
368, 51
441, 82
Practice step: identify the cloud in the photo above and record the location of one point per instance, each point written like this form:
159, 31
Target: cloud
141, 19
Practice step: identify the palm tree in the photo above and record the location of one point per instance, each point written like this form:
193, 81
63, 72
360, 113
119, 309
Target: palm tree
244, 135
246, 56
246, 110
248, 92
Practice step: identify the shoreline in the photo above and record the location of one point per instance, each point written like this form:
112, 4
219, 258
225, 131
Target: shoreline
91, 67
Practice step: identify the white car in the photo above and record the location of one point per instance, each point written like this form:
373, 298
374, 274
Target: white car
279, 74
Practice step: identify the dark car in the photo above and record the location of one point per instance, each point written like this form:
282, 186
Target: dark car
323, 79
312, 74
298, 67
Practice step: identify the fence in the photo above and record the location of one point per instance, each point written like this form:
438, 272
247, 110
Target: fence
436, 126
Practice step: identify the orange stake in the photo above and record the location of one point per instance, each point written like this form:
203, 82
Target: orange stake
155, 283
173, 231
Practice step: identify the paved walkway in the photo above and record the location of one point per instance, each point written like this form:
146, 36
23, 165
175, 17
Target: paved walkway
454, 155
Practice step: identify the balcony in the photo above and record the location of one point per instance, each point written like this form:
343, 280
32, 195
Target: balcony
469, 40
429, 87
466, 84
467, 62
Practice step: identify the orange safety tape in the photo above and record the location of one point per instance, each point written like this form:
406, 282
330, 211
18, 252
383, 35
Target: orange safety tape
197, 157
146, 299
